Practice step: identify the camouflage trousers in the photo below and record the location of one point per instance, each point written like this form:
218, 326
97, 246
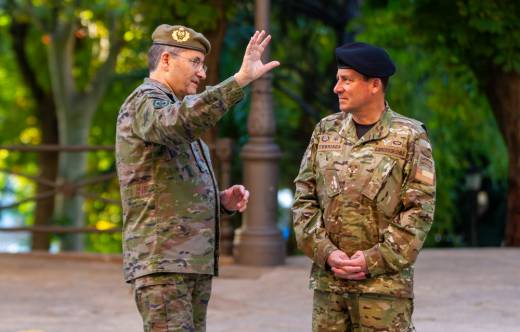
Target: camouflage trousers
173, 302
351, 312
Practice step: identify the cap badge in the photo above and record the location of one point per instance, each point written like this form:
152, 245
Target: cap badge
180, 35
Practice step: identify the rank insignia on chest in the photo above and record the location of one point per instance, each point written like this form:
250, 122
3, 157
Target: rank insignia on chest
330, 142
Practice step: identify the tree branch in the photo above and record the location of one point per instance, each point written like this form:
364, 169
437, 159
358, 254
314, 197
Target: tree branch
18, 32
306, 107
106, 70
61, 53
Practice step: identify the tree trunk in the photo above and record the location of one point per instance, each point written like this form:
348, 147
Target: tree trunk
75, 110
48, 123
74, 130
503, 91
48, 163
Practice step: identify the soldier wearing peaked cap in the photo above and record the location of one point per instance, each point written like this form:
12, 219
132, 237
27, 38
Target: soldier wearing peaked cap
170, 198
364, 201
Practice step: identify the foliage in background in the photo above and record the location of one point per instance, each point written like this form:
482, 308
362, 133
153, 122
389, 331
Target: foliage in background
446, 97
17, 124
443, 94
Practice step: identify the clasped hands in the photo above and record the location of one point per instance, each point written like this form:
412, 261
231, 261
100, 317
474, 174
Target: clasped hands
351, 268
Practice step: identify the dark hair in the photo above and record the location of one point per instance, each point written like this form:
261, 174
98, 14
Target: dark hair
154, 54
384, 81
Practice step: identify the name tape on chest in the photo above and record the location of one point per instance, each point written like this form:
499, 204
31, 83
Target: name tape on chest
330, 143
392, 151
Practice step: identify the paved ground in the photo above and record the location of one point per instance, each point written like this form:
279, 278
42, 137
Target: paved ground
456, 290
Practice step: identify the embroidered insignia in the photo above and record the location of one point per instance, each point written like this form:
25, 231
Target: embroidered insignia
180, 35
159, 103
424, 176
330, 143
424, 172
392, 151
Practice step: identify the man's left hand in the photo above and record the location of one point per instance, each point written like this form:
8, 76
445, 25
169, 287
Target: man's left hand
252, 66
235, 198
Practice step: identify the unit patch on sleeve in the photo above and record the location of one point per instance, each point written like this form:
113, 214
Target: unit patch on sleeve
160, 103
424, 172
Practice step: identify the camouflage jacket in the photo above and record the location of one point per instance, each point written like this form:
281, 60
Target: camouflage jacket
169, 193
375, 194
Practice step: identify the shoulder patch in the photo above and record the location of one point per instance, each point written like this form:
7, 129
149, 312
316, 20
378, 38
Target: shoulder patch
424, 175
160, 103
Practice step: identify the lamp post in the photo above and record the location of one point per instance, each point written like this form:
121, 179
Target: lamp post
258, 241
473, 184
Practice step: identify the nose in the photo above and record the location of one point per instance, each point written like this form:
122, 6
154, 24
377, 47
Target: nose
337, 88
201, 74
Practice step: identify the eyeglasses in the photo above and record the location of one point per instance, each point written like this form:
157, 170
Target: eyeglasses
195, 62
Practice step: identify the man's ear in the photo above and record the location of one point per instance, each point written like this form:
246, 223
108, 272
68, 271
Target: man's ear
165, 59
376, 85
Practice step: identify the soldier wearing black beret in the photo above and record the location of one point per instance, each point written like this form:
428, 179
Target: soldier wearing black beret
364, 201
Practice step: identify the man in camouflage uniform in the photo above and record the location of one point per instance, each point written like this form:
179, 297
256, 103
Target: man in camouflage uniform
364, 201
171, 203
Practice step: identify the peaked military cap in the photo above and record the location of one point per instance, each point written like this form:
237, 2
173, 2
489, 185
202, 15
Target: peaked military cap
366, 59
181, 36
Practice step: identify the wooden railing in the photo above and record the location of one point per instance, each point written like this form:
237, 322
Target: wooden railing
222, 150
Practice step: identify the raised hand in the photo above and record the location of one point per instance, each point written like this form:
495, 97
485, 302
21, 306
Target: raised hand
235, 198
252, 66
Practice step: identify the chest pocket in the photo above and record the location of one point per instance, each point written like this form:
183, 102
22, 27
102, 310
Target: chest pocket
382, 189
332, 182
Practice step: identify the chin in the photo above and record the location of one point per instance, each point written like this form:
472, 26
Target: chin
344, 109
192, 90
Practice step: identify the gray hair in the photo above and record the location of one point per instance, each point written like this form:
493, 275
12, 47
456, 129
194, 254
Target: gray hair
154, 54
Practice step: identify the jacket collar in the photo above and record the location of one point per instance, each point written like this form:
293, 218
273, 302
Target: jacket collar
163, 87
380, 130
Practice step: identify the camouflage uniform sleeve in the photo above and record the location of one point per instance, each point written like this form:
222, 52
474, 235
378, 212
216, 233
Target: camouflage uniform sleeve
404, 237
161, 122
311, 235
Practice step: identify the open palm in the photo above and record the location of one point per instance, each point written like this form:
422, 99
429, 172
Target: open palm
252, 66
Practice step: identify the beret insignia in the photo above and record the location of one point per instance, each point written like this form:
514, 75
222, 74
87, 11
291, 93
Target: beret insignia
180, 35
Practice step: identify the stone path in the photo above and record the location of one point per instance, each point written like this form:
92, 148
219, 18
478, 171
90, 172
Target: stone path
456, 290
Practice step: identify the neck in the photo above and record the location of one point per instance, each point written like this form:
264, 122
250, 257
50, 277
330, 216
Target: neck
160, 78
370, 114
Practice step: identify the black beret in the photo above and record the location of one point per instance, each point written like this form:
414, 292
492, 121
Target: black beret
366, 59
